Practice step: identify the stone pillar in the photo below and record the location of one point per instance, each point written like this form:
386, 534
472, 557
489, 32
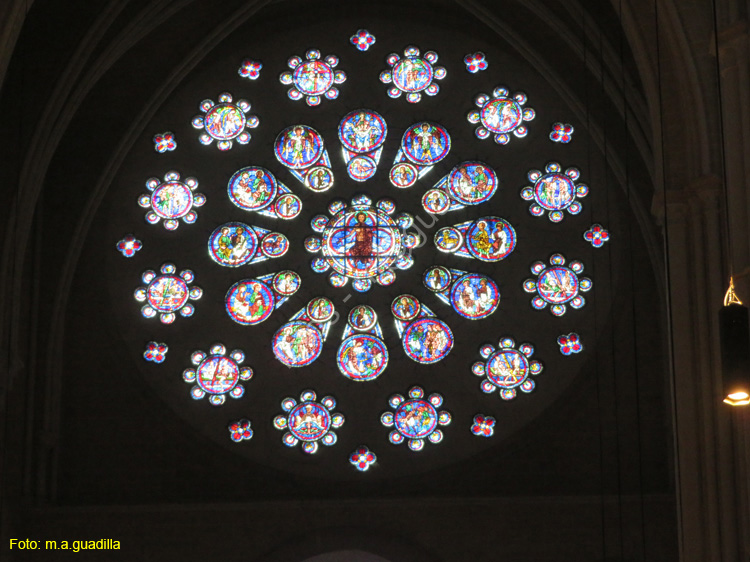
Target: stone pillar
707, 462
734, 64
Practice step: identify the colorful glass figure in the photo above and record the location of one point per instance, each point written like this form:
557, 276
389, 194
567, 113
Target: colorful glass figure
422, 146
156, 352
167, 293
217, 375
501, 115
313, 78
472, 295
309, 421
597, 235
412, 74
363, 355
363, 39
415, 419
171, 200
128, 246
300, 148
561, 132
425, 338
164, 142
483, 426
256, 189
554, 192
362, 459
300, 341
570, 344
225, 122
507, 368
362, 134
234, 244
475, 62
557, 285
251, 301
250, 69
489, 239
469, 183
240, 430
362, 242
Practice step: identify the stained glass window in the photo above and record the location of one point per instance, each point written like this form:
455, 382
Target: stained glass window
171, 199
341, 248
300, 148
422, 146
225, 122
489, 239
256, 189
362, 134
501, 115
415, 419
507, 368
413, 74
309, 421
313, 77
469, 183
363, 355
557, 285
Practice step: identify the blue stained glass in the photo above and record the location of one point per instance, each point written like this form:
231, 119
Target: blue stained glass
413, 74
423, 145
362, 133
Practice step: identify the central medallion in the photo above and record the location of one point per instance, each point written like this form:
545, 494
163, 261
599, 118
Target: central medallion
363, 242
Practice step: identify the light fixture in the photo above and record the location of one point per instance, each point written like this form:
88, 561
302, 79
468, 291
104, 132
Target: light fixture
734, 333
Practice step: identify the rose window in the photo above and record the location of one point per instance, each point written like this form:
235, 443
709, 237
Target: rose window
417, 255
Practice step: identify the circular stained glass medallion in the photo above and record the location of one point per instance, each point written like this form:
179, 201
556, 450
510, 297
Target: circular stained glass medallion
412, 74
298, 147
167, 293
288, 206
501, 115
475, 296
437, 278
233, 244
436, 201
274, 245
415, 419
217, 375
224, 121
426, 143
361, 242
313, 77
448, 239
507, 368
472, 183
252, 188
309, 421
361, 168
362, 357
286, 282
320, 309
172, 200
554, 191
362, 318
557, 285
490, 239
404, 175
249, 302
427, 340
405, 307
362, 131
297, 344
